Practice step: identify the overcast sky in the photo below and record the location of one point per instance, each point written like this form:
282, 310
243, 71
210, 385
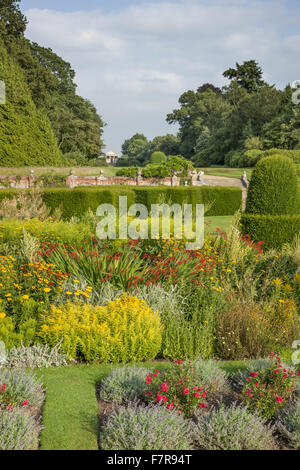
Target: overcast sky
134, 58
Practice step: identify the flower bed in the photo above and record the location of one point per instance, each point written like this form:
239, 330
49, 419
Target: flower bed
174, 412
21, 400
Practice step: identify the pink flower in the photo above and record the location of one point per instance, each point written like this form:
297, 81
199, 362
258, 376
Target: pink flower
279, 399
10, 407
202, 405
164, 399
25, 403
196, 394
164, 387
148, 379
185, 391
170, 406
158, 397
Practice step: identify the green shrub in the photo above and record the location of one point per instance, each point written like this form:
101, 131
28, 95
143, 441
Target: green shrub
155, 171
11, 230
188, 316
250, 158
124, 385
292, 154
288, 424
124, 330
18, 431
145, 428
274, 188
26, 136
273, 230
130, 172
20, 386
233, 428
75, 202
158, 158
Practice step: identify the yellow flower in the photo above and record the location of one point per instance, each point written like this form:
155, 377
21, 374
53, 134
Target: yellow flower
47, 289
69, 293
2, 315
25, 297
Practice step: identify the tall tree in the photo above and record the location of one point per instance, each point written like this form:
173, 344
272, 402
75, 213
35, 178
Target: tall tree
247, 75
12, 21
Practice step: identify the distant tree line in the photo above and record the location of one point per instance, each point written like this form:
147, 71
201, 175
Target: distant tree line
230, 125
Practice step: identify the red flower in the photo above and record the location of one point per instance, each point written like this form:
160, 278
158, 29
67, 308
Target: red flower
25, 403
185, 391
164, 387
202, 405
197, 395
148, 379
279, 399
170, 406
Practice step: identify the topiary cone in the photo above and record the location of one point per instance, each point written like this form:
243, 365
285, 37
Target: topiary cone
274, 188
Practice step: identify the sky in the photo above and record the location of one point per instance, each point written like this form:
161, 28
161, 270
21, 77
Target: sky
134, 58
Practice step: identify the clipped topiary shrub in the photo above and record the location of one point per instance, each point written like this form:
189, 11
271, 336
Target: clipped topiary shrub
273, 205
145, 428
18, 431
126, 329
273, 230
274, 188
124, 385
158, 158
233, 428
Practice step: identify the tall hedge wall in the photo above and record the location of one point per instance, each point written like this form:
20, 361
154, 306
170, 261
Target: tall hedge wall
226, 201
274, 230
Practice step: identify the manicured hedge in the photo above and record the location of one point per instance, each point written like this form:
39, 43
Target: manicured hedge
274, 188
77, 201
274, 230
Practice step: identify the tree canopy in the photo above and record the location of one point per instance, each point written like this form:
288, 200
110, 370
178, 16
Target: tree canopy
76, 126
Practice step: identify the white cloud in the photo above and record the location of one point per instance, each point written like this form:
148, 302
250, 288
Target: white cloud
134, 63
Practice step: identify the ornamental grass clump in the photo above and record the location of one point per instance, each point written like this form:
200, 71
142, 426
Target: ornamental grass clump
145, 428
268, 390
18, 431
233, 428
124, 385
126, 329
176, 389
19, 388
288, 424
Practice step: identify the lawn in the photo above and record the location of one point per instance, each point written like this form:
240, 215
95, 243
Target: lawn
228, 172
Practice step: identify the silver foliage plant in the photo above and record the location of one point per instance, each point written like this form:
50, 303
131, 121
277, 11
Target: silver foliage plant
18, 430
145, 428
232, 428
22, 385
288, 424
124, 384
210, 375
39, 355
